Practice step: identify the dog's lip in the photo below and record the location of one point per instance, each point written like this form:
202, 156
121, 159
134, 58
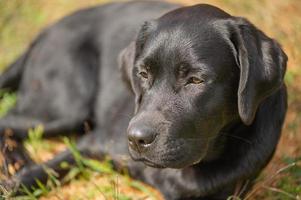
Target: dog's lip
152, 164
148, 162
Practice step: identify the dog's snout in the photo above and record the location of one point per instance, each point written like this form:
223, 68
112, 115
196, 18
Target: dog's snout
140, 137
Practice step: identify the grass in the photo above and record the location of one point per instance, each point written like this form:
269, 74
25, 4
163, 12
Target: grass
90, 179
87, 179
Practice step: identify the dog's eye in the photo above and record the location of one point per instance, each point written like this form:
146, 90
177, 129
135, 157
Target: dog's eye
195, 80
143, 74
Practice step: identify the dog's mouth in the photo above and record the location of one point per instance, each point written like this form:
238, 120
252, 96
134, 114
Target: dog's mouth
151, 164
182, 153
148, 162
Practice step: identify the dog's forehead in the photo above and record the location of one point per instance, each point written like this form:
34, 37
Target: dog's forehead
188, 35
172, 46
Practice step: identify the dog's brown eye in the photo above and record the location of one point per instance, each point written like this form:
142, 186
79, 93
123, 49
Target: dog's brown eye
195, 80
143, 74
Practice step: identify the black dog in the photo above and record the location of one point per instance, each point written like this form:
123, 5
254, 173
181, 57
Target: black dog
209, 96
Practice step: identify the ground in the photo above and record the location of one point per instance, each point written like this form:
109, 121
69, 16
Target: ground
20, 21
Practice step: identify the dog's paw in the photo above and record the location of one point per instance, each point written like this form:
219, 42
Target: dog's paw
8, 187
12, 155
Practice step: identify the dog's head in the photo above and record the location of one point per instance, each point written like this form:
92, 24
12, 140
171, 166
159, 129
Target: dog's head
194, 71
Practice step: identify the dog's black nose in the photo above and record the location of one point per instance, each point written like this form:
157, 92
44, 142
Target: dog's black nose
140, 137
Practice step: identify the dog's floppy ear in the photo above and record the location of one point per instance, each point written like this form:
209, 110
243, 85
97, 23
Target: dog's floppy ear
126, 62
262, 66
128, 55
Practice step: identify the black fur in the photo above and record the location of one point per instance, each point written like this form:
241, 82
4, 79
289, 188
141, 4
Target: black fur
204, 90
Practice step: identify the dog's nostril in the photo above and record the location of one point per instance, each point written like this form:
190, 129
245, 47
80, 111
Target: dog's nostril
140, 137
142, 142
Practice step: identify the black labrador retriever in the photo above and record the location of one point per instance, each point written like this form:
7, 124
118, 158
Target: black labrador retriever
199, 104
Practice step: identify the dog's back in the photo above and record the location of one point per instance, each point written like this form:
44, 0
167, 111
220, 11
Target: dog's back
72, 64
